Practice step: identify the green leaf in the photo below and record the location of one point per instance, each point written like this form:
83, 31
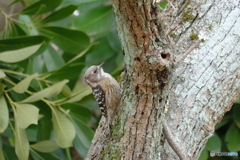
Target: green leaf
70, 71
63, 129
84, 133
80, 147
2, 74
114, 42
23, 85
163, 4
204, 155
21, 143
80, 95
44, 127
66, 91
44, 156
101, 53
60, 14
26, 115
47, 92
18, 55
35, 65
31, 132
1, 154
4, 117
236, 111
238, 100
214, 143
13, 30
224, 121
45, 146
52, 59
232, 138
41, 6
78, 111
77, 2
21, 42
72, 41
97, 20
9, 151
14, 2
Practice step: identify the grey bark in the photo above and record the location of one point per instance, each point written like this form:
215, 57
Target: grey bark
183, 62
207, 81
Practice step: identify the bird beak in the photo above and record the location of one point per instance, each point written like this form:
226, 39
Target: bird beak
101, 65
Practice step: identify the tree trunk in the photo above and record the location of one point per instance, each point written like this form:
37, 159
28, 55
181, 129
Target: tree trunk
181, 65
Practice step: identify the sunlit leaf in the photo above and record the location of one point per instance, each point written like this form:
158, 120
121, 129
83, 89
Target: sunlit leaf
72, 41
21, 143
47, 92
26, 115
4, 116
232, 138
2, 74
63, 129
66, 91
23, 85
18, 55
45, 146
60, 14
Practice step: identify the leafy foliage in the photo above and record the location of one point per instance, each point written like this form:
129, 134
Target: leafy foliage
44, 107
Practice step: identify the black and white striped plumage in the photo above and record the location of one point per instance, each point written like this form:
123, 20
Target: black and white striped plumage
99, 95
106, 91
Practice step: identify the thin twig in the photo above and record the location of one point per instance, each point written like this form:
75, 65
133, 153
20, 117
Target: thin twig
171, 141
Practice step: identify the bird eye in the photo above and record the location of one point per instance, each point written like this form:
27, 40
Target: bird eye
95, 71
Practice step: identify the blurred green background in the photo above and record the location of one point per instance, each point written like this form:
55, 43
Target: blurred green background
46, 109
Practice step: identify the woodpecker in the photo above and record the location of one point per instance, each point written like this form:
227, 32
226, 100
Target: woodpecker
106, 91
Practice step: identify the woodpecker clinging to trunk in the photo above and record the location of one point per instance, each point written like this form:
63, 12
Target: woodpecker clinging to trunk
106, 91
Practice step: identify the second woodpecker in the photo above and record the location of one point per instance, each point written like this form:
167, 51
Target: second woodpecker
106, 91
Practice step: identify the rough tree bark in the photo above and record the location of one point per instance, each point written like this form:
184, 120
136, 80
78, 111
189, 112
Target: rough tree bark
182, 65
